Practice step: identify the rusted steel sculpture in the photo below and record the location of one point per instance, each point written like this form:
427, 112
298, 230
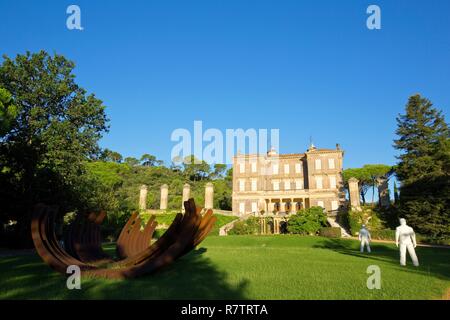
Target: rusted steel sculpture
136, 255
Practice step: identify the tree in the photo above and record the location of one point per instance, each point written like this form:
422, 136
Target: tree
131, 161
364, 178
219, 170
376, 172
194, 169
149, 160
56, 129
8, 111
111, 156
307, 221
423, 138
368, 177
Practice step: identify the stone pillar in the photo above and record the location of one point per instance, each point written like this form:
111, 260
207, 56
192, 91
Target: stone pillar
271, 206
143, 197
353, 190
293, 207
164, 197
209, 195
261, 206
383, 192
282, 206
186, 195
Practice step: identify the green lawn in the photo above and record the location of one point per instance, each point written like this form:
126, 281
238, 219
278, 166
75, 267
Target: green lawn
250, 267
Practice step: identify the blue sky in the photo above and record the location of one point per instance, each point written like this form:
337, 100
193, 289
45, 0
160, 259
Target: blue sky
309, 68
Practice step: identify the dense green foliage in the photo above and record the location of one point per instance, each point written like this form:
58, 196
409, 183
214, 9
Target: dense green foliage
55, 128
249, 226
424, 168
250, 267
307, 221
330, 232
8, 112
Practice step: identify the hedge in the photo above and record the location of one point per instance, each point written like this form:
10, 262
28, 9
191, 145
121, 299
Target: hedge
330, 232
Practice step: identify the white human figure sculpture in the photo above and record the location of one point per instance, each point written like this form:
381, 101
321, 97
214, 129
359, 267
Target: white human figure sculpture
405, 235
364, 237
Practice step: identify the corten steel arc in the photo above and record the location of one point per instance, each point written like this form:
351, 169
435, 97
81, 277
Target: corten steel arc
82, 243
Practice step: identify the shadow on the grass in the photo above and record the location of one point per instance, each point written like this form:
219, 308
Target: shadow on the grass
433, 261
192, 277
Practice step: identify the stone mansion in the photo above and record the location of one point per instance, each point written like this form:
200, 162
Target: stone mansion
284, 183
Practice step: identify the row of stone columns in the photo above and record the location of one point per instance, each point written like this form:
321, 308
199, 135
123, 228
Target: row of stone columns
164, 199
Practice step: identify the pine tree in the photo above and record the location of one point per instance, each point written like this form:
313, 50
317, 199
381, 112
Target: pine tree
423, 167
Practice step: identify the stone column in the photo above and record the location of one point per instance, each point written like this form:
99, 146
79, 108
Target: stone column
209, 195
186, 195
282, 206
271, 206
261, 206
143, 197
383, 192
293, 207
354, 193
164, 197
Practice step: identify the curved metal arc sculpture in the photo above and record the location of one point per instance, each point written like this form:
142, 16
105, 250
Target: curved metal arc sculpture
136, 255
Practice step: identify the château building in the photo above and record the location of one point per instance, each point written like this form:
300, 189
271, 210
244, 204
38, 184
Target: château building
282, 184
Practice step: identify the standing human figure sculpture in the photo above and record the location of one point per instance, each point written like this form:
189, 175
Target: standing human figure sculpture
405, 236
364, 237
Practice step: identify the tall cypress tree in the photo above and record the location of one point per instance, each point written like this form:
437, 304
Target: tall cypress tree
423, 168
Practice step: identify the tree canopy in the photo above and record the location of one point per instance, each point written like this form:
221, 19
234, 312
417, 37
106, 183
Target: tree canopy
56, 128
423, 167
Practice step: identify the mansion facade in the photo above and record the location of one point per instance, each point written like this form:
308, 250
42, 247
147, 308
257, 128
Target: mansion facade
283, 184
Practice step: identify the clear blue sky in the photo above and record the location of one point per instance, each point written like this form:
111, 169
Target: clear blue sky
309, 68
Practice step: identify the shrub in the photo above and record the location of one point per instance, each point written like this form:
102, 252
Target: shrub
385, 234
245, 227
366, 216
307, 221
330, 232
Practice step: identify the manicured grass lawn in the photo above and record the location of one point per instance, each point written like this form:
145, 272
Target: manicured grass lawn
250, 267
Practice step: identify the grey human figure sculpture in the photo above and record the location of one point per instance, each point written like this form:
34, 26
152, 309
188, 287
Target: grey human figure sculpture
364, 237
405, 236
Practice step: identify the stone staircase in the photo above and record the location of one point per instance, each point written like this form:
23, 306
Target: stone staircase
332, 221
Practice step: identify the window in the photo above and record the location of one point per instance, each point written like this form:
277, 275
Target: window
318, 164
334, 205
298, 184
275, 168
242, 207
331, 164
286, 169
320, 204
287, 185
242, 167
254, 167
254, 184
254, 207
241, 185
298, 168
332, 182
276, 185
319, 184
